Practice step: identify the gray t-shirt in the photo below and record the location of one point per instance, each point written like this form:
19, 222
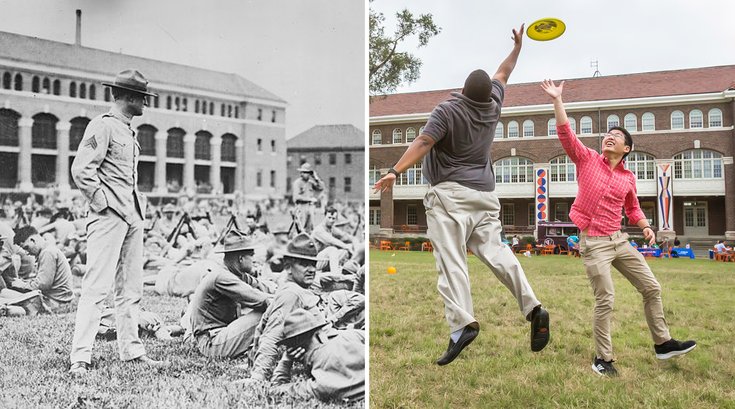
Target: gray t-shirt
463, 131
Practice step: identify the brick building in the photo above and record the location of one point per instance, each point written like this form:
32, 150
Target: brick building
337, 153
207, 132
682, 126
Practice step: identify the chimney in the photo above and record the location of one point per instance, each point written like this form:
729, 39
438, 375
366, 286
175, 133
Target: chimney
79, 28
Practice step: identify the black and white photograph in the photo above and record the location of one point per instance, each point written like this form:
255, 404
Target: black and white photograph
182, 200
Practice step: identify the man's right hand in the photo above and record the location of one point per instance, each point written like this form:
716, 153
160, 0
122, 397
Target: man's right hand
385, 183
551, 89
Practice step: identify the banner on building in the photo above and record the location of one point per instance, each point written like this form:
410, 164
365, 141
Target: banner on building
665, 196
542, 195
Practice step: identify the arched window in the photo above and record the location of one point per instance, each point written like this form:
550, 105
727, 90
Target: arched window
177, 104
92, 92
147, 139
677, 120
7, 81
211, 108
630, 122
155, 101
648, 122
642, 165
573, 124
228, 147
551, 127
513, 129
698, 164
35, 84
43, 132
184, 104
715, 118
8, 127
397, 136
168, 102
696, 119
82, 90
196, 106
46, 86
73, 89
527, 128
410, 135
76, 132
201, 145
585, 125
499, 131
18, 82
108, 94
513, 170
57, 87
229, 111
377, 137
563, 169
237, 112
204, 107
612, 121
222, 110
175, 143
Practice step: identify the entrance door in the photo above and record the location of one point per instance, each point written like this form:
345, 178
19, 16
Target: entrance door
695, 219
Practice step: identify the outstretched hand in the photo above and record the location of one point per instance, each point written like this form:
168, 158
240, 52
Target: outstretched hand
385, 183
518, 35
551, 89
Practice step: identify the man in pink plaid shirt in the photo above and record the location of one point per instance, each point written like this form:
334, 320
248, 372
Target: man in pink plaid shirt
606, 186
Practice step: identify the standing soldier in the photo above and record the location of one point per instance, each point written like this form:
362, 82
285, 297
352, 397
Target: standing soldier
305, 192
105, 169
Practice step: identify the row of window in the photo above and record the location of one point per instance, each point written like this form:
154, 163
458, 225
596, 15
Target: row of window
331, 158
630, 122
84, 91
692, 164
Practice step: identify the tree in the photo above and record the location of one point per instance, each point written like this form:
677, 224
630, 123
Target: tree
390, 68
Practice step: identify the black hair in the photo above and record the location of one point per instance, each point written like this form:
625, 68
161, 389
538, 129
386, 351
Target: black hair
22, 234
628, 138
330, 209
478, 86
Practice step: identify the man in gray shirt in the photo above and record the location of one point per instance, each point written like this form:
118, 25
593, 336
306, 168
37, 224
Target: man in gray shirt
462, 209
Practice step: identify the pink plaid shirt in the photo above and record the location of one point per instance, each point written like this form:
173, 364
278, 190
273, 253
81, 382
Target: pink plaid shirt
602, 192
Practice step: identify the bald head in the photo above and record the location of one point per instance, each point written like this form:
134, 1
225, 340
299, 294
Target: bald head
478, 86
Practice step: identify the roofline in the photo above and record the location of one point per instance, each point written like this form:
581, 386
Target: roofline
577, 106
51, 69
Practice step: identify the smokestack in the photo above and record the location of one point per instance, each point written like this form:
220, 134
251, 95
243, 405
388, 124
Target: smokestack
79, 28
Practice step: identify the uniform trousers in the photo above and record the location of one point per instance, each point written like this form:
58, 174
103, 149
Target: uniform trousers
598, 254
458, 219
114, 259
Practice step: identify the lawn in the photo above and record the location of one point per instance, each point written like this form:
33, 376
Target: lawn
408, 333
35, 360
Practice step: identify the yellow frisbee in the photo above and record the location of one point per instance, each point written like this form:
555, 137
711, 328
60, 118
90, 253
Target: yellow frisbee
546, 29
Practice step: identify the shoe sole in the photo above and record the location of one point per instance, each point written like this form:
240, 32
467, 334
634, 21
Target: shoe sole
461, 348
540, 338
675, 353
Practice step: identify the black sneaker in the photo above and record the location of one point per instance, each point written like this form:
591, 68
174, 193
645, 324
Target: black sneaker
672, 348
604, 368
468, 335
539, 328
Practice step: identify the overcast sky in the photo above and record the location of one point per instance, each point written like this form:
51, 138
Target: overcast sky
309, 53
624, 36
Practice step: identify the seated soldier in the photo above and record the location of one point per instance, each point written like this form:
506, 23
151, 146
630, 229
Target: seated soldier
332, 242
166, 224
274, 253
300, 270
53, 277
334, 359
214, 307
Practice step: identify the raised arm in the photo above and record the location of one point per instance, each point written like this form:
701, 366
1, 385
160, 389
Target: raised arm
507, 66
555, 93
576, 150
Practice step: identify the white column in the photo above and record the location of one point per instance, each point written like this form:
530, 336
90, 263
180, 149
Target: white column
24, 157
189, 182
240, 165
62, 159
160, 170
215, 144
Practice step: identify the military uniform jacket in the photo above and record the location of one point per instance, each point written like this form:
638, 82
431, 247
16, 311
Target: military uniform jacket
105, 166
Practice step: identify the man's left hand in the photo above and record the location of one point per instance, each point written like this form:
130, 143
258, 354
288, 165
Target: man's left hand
385, 183
649, 235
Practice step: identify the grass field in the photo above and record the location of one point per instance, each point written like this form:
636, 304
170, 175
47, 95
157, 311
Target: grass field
408, 333
35, 359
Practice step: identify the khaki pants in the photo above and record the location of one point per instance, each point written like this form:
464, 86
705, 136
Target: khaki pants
598, 254
114, 258
458, 219
231, 341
